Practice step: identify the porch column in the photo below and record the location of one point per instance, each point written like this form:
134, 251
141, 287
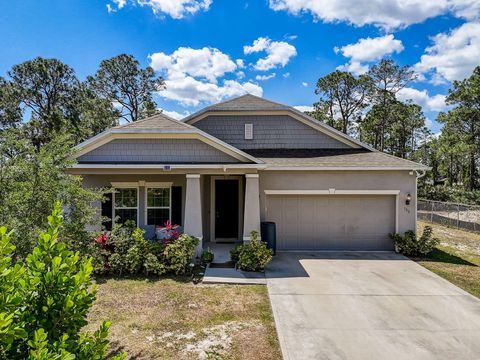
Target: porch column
251, 217
193, 208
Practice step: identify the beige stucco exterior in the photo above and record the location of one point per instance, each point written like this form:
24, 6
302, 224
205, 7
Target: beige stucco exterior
404, 181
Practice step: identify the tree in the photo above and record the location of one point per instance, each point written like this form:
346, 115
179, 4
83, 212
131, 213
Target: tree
10, 111
45, 301
342, 99
464, 119
120, 80
94, 114
403, 133
31, 180
387, 79
46, 88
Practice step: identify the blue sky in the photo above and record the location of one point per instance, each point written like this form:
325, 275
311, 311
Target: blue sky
210, 50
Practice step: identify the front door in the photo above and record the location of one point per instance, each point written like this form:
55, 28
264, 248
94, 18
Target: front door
226, 209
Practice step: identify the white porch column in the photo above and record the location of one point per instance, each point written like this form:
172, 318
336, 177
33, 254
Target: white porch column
193, 208
251, 217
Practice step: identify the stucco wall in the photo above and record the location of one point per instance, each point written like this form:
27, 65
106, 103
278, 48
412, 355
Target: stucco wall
269, 132
345, 180
157, 151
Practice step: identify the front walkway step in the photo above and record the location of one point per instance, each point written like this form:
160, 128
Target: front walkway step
231, 276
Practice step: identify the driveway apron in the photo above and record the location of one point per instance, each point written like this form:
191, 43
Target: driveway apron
369, 305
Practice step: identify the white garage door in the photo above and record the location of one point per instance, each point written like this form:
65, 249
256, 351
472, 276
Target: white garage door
332, 222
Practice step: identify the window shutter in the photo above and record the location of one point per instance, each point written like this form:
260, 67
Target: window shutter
177, 205
107, 210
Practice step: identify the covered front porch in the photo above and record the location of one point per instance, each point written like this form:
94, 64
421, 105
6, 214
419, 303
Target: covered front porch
217, 207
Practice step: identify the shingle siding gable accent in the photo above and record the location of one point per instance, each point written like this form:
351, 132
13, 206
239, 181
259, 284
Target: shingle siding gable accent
156, 151
269, 132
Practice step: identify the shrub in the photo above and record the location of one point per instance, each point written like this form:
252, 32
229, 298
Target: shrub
126, 252
179, 254
152, 265
207, 256
45, 301
410, 245
235, 253
254, 255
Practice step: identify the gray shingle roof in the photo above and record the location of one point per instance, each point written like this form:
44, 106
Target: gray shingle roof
246, 102
334, 158
158, 121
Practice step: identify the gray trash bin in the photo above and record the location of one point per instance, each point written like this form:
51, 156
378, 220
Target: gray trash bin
269, 234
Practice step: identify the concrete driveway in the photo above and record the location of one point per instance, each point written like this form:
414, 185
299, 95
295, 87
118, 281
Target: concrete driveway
369, 306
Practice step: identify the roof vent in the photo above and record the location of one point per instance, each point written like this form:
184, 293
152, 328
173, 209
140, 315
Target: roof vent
248, 131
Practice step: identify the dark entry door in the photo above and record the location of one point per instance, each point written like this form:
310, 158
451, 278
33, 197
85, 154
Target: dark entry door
226, 209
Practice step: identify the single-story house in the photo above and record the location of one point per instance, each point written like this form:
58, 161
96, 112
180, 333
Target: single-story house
222, 171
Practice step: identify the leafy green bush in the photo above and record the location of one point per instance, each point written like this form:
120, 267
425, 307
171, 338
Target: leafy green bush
254, 255
179, 253
44, 302
126, 252
235, 253
410, 245
207, 256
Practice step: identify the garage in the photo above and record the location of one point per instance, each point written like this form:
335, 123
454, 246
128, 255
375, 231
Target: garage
332, 222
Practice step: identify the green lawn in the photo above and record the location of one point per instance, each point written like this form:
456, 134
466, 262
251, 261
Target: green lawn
457, 258
175, 319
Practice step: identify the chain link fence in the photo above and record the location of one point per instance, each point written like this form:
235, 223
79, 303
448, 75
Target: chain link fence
451, 214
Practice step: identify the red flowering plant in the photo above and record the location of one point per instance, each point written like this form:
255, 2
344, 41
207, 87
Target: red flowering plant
169, 232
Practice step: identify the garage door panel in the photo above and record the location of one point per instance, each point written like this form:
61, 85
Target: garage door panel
333, 222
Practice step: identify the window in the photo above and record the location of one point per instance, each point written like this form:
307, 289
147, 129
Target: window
248, 131
158, 205
126, 204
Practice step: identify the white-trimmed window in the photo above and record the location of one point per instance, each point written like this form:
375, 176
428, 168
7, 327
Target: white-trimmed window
125, 204
158, 205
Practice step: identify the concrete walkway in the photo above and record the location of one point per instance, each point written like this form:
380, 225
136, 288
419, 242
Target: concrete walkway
369, 306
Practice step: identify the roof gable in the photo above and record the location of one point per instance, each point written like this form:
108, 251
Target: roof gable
254, 105
160, 126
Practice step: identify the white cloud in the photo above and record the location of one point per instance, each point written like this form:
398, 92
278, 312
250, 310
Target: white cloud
387, 14
207, 63
303, 108
194, 76
175, 114
279, 53
119, 4
240, 63
421, 97
177, 9
265, 77
453, 55
304, 84
366, 50
286, 75
240, 74
354, 67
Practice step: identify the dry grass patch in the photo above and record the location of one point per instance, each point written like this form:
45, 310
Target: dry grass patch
171, 319
457, 259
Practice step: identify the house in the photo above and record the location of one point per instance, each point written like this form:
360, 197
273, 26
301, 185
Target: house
223, 170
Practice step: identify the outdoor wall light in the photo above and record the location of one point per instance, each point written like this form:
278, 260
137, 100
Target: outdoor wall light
408, 199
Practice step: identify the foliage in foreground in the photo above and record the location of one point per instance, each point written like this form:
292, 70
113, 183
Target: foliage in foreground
125, 252
410, 245
252, 256
44, 302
